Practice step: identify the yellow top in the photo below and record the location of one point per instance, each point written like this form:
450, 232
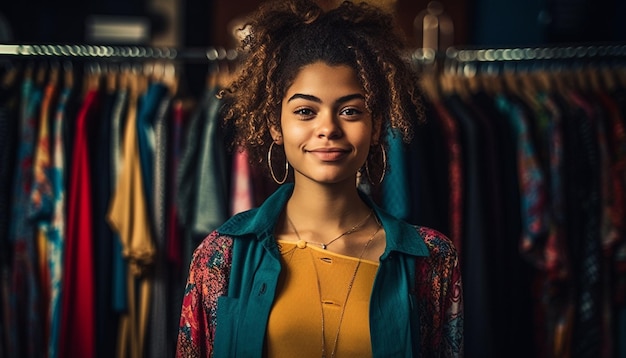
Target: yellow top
295, 323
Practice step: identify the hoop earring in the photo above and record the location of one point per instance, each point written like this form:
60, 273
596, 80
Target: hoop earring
367, 169
269, 163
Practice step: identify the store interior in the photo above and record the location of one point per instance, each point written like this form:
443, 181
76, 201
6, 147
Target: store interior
538, 214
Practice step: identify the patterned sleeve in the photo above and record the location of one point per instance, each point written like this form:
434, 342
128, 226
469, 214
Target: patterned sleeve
208, 279
440, 295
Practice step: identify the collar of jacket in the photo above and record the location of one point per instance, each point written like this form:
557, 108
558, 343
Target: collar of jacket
260, 223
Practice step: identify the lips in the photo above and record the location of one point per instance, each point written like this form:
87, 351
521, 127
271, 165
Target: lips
329, 154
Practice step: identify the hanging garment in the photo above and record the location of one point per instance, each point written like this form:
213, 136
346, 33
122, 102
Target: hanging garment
173, 226
158, 342
587, 250
616, 145
618, 266
491, 193
554, 259
26, 335
494, 241
202, 186
479, 330
56, 231
455, 175
9, 105
119, 270
77, 337
42, 198
100, 149
532, 179
173, 249
506, 268
129, 216
187, 178
211, 208
146, 116
606, 225
426, 163
241, 197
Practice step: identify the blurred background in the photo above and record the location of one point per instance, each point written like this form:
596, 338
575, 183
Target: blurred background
486, 23
191, 23
521, 162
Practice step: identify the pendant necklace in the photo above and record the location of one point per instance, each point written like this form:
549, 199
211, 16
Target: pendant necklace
350, 284
302, 243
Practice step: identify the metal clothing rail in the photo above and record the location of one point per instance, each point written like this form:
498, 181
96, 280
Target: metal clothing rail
558, 52
537, 53
422, 55
100, 52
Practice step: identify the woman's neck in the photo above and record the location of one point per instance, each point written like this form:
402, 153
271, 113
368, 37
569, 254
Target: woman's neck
335, 206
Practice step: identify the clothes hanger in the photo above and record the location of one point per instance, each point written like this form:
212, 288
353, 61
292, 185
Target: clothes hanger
68, 75
42, 70
53, 75
490, 78
92, 76
460, 80
510, 81
543, 78
430, 85
139, 78
170, 77
594, 78
472, 78
9, 77
123, 76
608, 77
111, 78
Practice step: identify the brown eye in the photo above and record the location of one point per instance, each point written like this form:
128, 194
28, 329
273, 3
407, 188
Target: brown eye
304, 113
351, 113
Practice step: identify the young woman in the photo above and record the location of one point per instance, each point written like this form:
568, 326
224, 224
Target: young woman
318, 269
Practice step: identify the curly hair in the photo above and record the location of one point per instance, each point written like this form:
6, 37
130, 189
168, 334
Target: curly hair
287, 35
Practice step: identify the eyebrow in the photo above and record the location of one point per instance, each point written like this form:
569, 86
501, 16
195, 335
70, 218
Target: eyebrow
309, 97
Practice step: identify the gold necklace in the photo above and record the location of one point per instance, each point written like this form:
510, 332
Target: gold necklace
345, 301
325, 245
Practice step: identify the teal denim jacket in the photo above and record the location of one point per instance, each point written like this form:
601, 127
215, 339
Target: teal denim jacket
243, 314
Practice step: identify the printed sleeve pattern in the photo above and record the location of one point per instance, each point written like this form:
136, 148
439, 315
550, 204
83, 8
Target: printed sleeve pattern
440, 297
208, 280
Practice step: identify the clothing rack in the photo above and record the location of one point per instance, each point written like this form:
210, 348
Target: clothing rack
126, 53
422, 55
467, 60
536, 53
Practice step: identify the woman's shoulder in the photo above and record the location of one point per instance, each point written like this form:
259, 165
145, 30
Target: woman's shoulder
438, 244
238, 226
215, 238
215, 246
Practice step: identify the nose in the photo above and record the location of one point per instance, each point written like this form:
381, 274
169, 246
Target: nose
329, 126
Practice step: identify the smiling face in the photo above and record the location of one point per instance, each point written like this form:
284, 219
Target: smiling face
326, 128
